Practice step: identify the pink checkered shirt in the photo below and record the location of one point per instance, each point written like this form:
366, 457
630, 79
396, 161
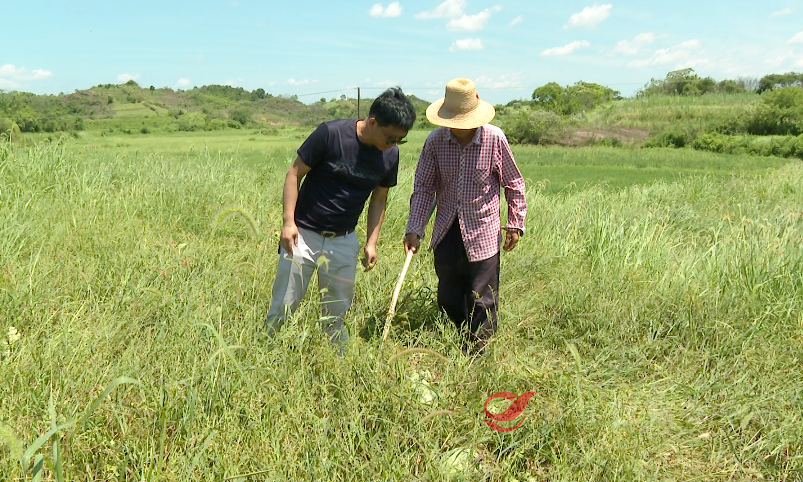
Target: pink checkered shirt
467, 182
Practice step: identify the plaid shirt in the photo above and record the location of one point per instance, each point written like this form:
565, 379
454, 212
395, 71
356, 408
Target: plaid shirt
467, 182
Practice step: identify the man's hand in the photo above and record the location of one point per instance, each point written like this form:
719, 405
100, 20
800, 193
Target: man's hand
511, 238
289, 237
411, 243
369, 260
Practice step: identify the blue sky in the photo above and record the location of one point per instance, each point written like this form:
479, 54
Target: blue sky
326, 49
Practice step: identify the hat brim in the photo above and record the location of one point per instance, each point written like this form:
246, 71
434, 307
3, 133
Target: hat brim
440, 115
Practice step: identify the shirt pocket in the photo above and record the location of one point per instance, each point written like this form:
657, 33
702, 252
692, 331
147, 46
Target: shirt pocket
482, 170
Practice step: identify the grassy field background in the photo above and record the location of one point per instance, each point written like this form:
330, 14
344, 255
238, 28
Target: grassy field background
654, 307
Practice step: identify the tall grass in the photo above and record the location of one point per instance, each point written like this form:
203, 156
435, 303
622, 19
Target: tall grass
658, 325
658, 112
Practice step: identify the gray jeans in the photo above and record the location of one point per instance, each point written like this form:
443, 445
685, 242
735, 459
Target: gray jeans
335, 260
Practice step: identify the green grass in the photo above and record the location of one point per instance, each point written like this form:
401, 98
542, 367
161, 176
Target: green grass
559, 169
658, 321
658, 112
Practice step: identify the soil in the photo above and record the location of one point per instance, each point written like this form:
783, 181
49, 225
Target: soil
584, 136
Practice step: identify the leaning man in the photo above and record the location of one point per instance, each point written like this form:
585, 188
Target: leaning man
463, 165
342, 163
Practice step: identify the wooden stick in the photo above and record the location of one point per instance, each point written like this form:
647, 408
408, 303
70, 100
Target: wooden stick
396, 291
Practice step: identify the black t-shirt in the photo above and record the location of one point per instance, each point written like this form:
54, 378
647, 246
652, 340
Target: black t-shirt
344, 172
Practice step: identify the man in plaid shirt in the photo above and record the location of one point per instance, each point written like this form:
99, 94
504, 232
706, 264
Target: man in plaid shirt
462, 167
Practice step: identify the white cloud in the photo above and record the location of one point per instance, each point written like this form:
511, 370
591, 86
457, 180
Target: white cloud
515, 21
777, 59
183, 82
632, 47
781, 13
470, 23
10, 73
385, 83
293, 81
127, 77
392, 10
590, 16
503, 82
682, 52
447, 9
7, 84
796, 39
466, 44
567, 49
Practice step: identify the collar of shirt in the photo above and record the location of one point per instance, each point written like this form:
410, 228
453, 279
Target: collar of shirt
474, 140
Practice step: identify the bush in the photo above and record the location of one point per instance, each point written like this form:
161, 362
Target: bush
780, 113
219, 124
573, 99
714, 142
772, 81
781, 146
525, 125
674, 137
241, 115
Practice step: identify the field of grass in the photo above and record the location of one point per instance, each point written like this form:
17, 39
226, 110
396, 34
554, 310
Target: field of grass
654, 113
654, 307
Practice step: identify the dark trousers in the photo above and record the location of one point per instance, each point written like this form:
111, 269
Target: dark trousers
468, 292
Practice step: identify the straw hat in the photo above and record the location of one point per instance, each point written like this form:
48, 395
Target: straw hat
461, 108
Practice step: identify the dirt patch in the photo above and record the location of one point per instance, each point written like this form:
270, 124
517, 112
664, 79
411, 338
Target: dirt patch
584, 136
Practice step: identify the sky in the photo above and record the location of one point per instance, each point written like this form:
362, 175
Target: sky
316, 49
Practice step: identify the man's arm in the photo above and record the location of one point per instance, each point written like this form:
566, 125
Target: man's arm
513, 183
422, 200
292, 183
376, 214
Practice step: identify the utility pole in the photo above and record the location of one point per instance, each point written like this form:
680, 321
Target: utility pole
358, 103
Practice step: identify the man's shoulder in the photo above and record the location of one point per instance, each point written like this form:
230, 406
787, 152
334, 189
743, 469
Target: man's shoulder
493, 131
440, 134
340, 124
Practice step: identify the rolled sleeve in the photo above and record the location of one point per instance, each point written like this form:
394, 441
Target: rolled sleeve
513, 184
423, 197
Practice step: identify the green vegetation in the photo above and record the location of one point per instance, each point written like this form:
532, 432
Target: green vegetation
772, 81
728, 116
670, 112
687, 82
572, 99
657, 317
127, 108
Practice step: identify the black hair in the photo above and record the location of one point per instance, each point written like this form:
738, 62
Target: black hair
393, 108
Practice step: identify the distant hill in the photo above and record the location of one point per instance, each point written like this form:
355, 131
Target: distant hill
129, 107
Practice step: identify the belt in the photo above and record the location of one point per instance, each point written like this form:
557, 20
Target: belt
333, 234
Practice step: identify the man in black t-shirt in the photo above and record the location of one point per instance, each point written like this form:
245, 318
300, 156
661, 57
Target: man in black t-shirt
345, 162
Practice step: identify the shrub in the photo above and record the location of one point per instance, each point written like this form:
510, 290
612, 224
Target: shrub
219, 124
715, 142
241, 115
674, 137
780, 146
772, 81
572, 99
525, 125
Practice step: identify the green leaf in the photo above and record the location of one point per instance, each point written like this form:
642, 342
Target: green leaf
37, 468
39, 442
114, 383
